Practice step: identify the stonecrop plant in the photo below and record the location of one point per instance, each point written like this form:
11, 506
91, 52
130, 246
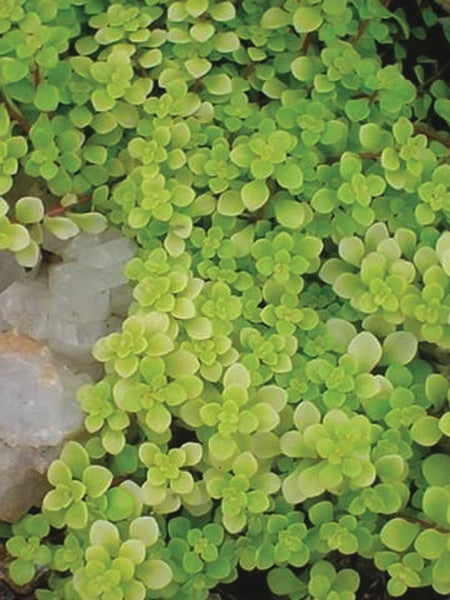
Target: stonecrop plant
276, 400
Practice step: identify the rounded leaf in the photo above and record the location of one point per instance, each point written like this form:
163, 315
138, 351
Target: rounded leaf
399, 534
91, 222
289, 213
29, 209
254, 194
59, 473
47, 97
103, 533
29, 256
425, 431
155, 574
61, 227
75, 457
366, 350
306, 19
97, 480
145, 529
399, 347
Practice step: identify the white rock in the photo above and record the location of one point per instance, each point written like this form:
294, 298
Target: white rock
75, 339
109, 259
72, 248
39, 412
24, 306
77, 293
120, 300
69, 305
22, 477
10, 270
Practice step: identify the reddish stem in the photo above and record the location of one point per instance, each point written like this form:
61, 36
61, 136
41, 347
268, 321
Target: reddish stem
36, 75
422, 523
361, 29
306, 43
60, 210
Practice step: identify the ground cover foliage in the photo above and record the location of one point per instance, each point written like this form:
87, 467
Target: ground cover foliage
277, 399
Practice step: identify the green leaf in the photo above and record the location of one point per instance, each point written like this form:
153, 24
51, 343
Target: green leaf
121, 503
289, 213
145, 529
59, 473
91, 222
324, 201
102, 101
400, 347
12, 70
221, 447
402, 130
425, 431
398, 534
77, 515
289, 176
430, 544
103, 533
442, 107
357, 110
274, 18
75, 457
47, 97
29, 256
218, 85
302, 68
306, 19
97, 480
373, 138
283, 582
134, 551
366, 350
29, 209
352, 250
21, 571
254, 194
61, 227
180, 363
230, 204
19, 238
155, 574
197, 67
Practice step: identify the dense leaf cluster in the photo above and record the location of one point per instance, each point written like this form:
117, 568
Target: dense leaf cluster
268, 403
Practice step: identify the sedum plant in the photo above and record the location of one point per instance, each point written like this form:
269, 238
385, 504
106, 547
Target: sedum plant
276, 400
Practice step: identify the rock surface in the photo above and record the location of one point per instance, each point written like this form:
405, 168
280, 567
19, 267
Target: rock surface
49, 321
71, 302
39, 411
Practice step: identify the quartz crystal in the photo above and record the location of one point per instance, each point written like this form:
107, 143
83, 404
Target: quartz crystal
69, 303
50, 320
39, 412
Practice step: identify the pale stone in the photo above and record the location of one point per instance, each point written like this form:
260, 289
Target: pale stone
77, 293
75, 339
78, 296
10, 270
120, 300
24, 305
39, 412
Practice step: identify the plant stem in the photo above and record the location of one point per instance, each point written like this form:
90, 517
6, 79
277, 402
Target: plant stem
422, 523
432, 134
60, 210
16, 116
306, 44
